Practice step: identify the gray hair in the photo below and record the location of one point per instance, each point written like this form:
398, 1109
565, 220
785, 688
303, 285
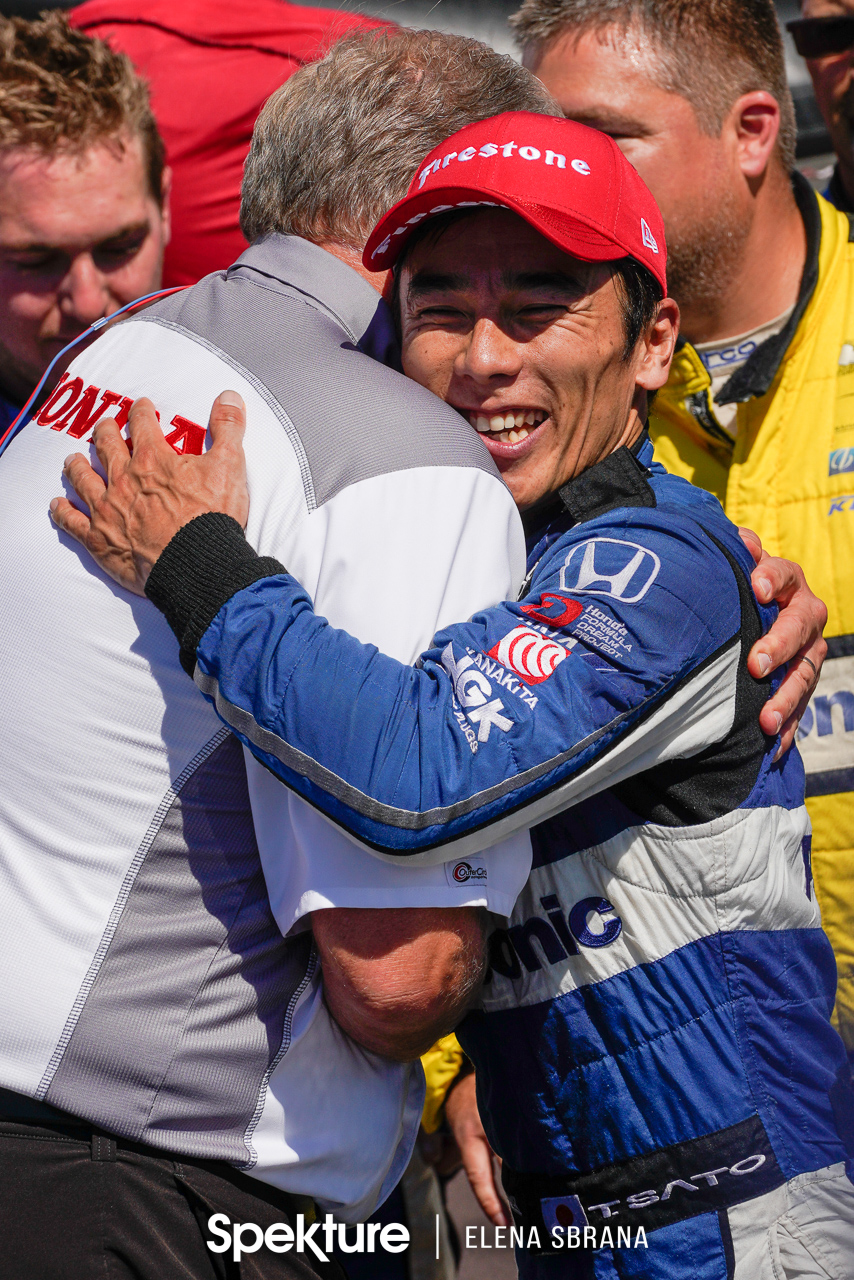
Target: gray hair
336, 146
710, 52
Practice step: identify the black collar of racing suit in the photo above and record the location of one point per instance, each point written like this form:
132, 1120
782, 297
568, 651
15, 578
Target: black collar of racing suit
755, 376
619, 480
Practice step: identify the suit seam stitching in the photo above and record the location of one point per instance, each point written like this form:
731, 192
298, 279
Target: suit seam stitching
276, 408
119, 906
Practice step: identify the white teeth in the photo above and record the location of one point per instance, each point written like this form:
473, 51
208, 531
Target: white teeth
509, 428
512, 437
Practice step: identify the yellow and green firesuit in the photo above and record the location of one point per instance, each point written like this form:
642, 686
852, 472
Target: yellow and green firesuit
789, 474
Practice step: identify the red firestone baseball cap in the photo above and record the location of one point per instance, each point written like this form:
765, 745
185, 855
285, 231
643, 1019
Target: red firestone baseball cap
572, 183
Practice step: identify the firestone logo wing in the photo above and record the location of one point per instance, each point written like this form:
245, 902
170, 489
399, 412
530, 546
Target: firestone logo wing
529, 654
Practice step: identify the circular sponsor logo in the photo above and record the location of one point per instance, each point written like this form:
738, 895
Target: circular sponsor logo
532, 656
463, 872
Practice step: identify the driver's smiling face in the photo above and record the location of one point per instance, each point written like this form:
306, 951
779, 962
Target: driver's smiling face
523, 340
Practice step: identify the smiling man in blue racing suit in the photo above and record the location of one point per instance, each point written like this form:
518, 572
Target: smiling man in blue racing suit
655, 1061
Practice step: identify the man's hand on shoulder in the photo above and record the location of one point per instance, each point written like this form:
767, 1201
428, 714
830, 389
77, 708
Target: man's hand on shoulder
151, 491
795, 639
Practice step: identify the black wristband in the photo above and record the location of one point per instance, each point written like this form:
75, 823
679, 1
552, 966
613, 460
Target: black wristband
204, 565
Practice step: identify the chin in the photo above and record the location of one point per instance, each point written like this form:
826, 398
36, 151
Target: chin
525, 492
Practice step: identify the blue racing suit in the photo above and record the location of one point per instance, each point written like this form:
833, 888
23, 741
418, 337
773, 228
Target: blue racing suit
654, 1055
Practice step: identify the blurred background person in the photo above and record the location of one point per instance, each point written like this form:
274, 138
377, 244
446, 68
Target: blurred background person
824, 36
84, 194
758, 407
210, 66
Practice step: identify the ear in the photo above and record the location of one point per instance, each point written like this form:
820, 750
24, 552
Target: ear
754, 123
387, 289
656, 347
165, 207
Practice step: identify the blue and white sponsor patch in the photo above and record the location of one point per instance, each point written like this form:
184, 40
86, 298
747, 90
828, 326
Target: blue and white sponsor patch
841, 461
826, 732
611, 567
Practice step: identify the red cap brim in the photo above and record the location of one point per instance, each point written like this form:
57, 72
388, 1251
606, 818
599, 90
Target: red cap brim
568, 232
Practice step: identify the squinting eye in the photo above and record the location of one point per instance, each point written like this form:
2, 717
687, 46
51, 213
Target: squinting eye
42, 263
543, 311
116, 252
440, 313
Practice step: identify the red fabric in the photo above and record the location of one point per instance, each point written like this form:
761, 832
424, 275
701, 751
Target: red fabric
572, 183
211, 65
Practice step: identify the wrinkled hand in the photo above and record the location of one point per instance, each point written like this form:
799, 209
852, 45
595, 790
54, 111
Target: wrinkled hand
795, 637
477, 1155
150, 494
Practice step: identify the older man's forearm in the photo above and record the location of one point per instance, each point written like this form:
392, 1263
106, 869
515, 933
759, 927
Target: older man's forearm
397, 980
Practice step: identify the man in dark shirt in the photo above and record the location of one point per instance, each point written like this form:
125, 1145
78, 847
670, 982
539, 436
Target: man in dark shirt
824, 36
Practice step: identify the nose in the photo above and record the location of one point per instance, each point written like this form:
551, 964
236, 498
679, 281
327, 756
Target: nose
490, 353
83, 294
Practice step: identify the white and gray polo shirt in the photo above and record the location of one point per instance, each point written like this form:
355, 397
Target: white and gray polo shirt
156, 973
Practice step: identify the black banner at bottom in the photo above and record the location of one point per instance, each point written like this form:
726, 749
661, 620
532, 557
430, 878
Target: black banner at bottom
702, 1175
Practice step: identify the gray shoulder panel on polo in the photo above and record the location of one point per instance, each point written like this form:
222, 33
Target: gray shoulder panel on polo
312, 332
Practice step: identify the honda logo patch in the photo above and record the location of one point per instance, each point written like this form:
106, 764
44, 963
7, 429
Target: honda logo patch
609, 567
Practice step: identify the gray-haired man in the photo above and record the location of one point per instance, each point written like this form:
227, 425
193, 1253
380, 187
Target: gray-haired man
162, 1015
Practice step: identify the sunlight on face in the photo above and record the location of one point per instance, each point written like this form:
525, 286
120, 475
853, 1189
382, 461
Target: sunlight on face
80, 235
523, 340
610, 80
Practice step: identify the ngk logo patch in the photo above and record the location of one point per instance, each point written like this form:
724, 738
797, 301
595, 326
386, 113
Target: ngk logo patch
529, 654
474, 693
